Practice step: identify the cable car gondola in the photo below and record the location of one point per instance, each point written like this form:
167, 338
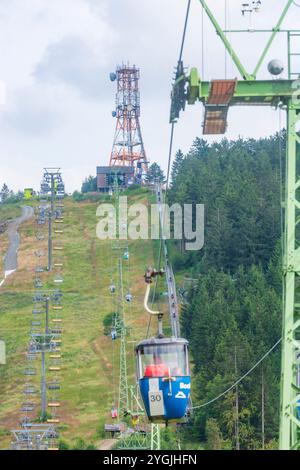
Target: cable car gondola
114, 412
163, 370
113, 334
112, 288
164, 377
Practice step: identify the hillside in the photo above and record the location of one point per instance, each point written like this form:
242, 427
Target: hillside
87, 366
233, 314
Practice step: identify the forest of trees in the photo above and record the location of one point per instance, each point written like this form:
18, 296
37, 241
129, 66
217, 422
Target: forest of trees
8, 196
232, 315
89, 184
155, 174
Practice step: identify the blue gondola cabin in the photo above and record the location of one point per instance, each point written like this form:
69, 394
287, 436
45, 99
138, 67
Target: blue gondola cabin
164, 377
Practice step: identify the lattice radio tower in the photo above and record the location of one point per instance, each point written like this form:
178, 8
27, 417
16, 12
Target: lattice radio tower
128, 147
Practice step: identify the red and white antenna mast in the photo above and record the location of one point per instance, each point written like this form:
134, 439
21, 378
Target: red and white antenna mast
128, 147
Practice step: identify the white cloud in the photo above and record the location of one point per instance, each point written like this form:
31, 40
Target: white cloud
56, 56
3, 93
74, 62
31, 111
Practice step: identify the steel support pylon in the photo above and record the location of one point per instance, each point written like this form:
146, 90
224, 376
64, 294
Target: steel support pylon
123, 390
290, 390
123, 383
155, 437
136, 441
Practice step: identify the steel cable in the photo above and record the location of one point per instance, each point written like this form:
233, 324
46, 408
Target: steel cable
170, 154
240, 379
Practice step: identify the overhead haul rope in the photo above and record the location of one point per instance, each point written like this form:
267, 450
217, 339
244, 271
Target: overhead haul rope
185, 29
164, 196
173, 124
113, 323
115, 320
240, 379
114, 307
129, 291
113, 373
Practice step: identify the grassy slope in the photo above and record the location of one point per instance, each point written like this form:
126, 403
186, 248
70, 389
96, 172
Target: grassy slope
87, 374
9, 211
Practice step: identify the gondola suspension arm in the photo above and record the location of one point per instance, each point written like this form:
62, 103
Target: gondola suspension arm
149, 275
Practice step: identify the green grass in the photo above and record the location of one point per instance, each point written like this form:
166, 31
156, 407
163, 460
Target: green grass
9, 211
88, 371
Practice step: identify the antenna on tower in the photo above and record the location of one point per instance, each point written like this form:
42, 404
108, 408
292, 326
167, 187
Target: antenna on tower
128, 147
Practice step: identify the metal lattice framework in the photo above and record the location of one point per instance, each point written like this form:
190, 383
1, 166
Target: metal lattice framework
128, 147
123, 402
53, 189
34, 437
290, 384
217, 97
46, 327
155, 437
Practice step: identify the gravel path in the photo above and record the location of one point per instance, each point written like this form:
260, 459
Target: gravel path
107, 444
11, 257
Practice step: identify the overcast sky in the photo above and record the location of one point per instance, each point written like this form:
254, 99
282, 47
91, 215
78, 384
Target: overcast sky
56, 56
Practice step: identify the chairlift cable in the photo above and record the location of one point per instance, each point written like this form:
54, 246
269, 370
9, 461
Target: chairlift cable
184, 30
240, 379
164, 197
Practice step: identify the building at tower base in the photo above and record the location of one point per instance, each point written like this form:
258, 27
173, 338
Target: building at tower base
108, 176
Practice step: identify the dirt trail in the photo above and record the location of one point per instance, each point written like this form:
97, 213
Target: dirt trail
107, 444
11, 257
